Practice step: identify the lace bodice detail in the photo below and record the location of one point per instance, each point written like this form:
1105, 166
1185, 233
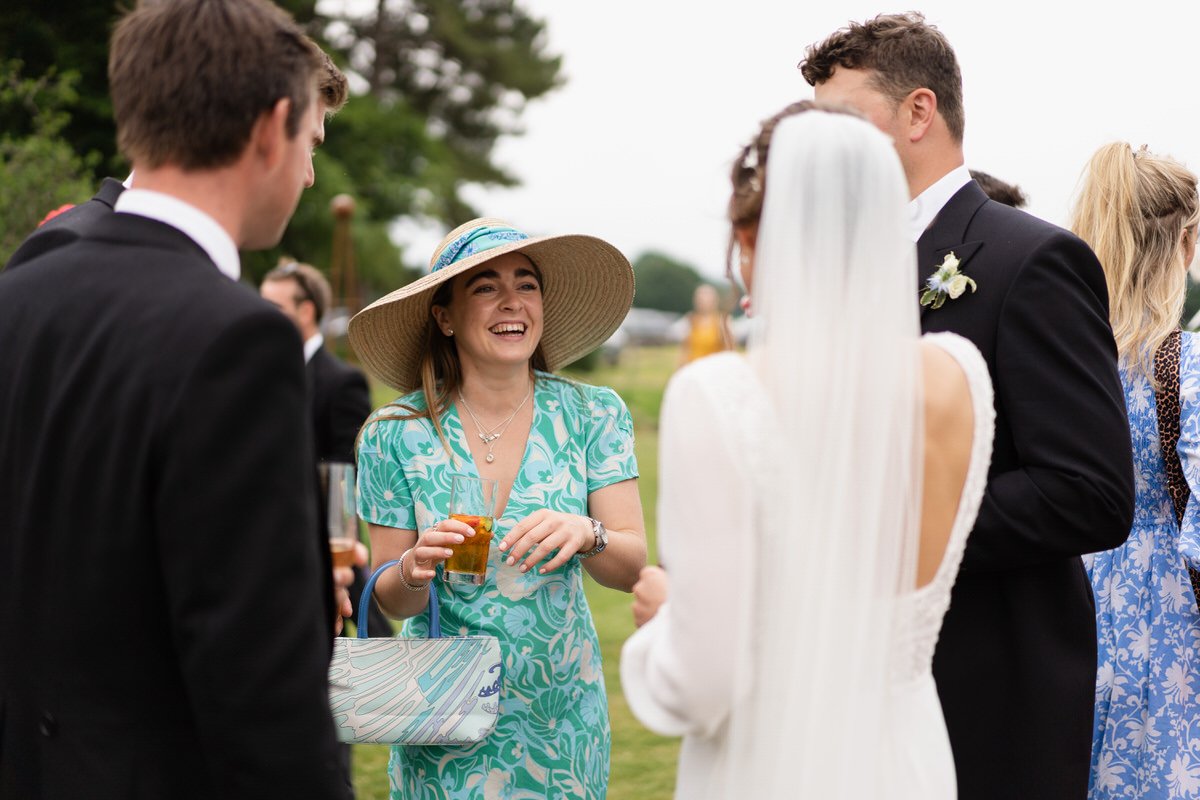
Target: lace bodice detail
920, 612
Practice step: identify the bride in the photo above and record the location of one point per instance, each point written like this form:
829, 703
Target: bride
815, 495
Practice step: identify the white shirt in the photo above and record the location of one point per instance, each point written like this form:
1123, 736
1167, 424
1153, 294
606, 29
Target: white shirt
311, 345
189, 220
925, 206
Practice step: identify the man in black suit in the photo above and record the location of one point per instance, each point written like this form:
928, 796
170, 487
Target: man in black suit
154, 447
339, 399
67, 226
1015, 664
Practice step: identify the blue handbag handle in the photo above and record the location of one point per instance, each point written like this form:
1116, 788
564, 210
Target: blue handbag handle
435, 621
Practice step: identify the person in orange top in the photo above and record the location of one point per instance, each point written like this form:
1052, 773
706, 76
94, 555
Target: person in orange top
708, 327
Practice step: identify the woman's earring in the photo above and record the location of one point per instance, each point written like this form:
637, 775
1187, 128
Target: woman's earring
449, 331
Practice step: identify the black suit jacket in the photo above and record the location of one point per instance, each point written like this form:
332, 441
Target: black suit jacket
1016, 661
155, 454
69, 225
341, 403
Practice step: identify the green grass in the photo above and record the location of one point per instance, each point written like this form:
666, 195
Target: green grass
643, 764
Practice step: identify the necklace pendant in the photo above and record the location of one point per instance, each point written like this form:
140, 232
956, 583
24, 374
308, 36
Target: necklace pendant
490, 458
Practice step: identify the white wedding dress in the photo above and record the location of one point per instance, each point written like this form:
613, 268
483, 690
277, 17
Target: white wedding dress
691, 669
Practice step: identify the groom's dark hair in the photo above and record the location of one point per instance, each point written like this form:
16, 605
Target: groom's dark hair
903, 52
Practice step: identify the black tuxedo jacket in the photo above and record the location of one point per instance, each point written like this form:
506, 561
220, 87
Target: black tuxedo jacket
1016, 661
341, 403
155, 459
69, 225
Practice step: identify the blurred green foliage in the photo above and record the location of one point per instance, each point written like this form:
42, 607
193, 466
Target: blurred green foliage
39, 170
434, 84
664, 283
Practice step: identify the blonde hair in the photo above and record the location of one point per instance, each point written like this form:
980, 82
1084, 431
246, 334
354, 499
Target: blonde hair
1133, 211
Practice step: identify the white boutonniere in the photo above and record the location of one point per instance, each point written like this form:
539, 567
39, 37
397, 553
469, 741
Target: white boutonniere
945, 282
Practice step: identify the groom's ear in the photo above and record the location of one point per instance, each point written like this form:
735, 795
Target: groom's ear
922, 108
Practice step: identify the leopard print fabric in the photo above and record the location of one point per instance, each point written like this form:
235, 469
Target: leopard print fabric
1166, 375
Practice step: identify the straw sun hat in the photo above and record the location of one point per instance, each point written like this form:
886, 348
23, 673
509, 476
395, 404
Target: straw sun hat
587, 291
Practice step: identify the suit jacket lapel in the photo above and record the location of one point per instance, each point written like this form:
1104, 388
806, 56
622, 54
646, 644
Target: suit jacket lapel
947, 234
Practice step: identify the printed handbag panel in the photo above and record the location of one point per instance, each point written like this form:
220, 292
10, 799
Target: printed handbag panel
415, 691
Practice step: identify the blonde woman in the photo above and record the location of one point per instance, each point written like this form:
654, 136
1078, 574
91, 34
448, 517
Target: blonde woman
1139, 211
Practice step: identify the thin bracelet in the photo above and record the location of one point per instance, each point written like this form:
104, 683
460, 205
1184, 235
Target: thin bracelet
419, 587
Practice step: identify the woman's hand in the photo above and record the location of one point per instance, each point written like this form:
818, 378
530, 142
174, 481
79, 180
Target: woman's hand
541, 532
649, 593
432, 548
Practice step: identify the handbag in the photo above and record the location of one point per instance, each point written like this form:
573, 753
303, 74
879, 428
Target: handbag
1166, 400
440, 690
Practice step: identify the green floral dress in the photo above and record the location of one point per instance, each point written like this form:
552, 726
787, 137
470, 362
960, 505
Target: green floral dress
552, 738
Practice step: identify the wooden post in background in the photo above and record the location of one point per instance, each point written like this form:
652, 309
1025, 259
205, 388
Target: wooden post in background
342, 273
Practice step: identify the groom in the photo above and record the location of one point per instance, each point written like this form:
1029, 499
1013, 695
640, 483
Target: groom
1015, 665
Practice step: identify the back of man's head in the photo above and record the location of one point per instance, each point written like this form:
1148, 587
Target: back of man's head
1001, 191
190, 78
904, 52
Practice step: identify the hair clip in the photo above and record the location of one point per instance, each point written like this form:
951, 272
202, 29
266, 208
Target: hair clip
751, 163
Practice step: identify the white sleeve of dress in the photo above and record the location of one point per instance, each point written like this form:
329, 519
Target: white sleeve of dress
677, 670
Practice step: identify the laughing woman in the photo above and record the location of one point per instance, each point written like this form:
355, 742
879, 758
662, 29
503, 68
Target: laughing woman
472, 346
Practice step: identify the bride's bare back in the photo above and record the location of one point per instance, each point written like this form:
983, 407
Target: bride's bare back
949, 427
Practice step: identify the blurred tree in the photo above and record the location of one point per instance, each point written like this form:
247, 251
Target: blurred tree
664, 283
435, 83
39, 170
70, 36
465, 68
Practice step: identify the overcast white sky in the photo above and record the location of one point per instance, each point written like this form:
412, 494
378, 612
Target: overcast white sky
660, 95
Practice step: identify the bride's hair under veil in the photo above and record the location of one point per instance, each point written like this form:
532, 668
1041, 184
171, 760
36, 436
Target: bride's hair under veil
837, 518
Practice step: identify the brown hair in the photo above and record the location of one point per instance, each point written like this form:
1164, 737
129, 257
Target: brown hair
1133, 211
749, 173
903, 53
190, 78
332, 88
1007, 193
310, 284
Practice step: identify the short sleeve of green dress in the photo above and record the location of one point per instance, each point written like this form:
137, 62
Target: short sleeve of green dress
552, 737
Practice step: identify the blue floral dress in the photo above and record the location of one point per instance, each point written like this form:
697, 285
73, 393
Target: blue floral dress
552, 737
1146, 740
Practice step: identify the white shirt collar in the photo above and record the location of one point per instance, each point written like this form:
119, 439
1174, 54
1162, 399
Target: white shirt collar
925, 206
311, 345
186, 218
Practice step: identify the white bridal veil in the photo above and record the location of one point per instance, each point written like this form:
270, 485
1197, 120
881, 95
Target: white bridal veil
837, 517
